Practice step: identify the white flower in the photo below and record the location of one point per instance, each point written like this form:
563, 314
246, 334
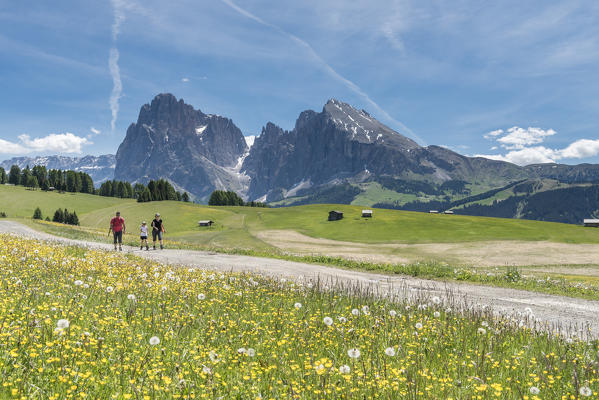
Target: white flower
366, 310
342, 319
436, 314
355, 312
201, 296
392, 313
85, 286
328, 321
241, 350
109, 289
585, 391
62, 324
482, 331
131, 297
297, 306
154, 340
344, 369
353, 353
206, 370
390, 351
251, 352
418, 325
485, 324
78, 282
436, 300
534, 390
213, 356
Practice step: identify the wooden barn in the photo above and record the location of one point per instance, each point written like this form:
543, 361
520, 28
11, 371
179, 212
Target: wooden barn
205, 223
591, 222
335, 215
433, 212
448, 212
366, 213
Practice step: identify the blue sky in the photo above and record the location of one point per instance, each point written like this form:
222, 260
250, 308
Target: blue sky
513, 80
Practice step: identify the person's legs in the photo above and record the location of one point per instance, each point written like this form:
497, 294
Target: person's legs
115, 236
160, 237
154, 234
120, 235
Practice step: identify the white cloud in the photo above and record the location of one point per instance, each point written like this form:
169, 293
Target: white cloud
53, 143
519, 138
582, 148
95, 131
184, 80
7, 147
493, 134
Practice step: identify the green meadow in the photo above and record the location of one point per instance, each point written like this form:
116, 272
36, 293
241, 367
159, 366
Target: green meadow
236, 226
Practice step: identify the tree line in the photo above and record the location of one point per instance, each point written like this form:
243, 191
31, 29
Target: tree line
40, 177
80, 182
230, 198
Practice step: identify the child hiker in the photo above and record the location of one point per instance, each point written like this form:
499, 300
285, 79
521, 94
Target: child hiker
143, 236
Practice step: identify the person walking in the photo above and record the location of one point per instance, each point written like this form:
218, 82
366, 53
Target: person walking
143, 236
117, 226
157, 230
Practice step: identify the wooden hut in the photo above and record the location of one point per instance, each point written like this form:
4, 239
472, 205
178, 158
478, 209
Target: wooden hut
366, 213
335, 215
433, 212
205, 222
448, 212
591, 222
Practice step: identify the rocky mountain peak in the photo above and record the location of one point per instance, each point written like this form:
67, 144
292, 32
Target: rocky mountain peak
362, 127
171, 139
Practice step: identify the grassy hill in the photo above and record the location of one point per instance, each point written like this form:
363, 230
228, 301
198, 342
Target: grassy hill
236, 226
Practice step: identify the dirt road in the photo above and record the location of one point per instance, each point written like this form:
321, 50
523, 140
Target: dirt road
576, 315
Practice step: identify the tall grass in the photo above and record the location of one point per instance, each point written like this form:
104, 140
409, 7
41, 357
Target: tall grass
99, 325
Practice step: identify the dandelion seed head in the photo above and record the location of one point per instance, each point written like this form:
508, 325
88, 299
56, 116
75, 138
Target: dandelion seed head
297, 306
62, 324
585, 391
201, 296
328, 321
154, 340
344, 369
354, 353
534, 390
390, 351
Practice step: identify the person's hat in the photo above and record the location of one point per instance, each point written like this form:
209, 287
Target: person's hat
143, 222
157, 214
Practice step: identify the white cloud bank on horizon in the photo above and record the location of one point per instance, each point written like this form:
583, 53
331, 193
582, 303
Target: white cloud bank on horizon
521, 142
55, 143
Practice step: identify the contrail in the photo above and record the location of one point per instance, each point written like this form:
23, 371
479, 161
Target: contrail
349, 84
117, 86
113, 61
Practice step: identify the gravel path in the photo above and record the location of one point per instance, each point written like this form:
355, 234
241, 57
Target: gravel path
576, 316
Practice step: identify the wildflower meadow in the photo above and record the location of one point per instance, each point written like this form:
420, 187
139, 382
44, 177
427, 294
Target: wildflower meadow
83, 324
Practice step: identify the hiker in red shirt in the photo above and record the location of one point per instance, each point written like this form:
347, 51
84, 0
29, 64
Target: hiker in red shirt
117, 226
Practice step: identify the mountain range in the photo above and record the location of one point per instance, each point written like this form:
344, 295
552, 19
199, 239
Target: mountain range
100, 168
338, 155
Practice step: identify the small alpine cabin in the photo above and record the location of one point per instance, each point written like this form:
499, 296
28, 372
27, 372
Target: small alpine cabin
335, 215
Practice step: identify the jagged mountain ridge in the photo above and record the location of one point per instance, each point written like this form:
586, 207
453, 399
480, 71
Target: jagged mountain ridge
197, 152
341, 143
100, 168
200, 152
